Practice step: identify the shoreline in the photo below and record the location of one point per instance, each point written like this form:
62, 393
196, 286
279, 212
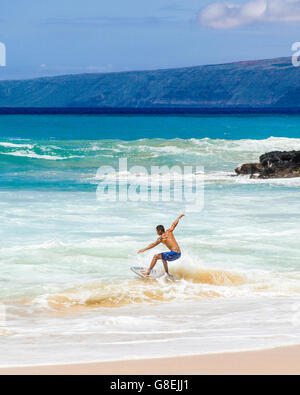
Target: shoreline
280, 361
161, 111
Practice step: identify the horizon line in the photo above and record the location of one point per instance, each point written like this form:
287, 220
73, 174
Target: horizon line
226, 110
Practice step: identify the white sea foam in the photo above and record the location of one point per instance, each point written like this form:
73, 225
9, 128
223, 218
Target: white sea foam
33, 155
12, 145
65, 257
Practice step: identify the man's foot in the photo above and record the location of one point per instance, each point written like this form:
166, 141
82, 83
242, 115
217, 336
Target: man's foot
146, 273
169, 275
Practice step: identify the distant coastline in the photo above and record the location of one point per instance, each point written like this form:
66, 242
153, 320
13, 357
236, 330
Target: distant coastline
243, 87
149, 111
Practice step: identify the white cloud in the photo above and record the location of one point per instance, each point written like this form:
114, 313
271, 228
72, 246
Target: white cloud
225, 15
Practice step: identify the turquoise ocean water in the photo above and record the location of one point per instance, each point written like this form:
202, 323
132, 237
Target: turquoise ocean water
66, 291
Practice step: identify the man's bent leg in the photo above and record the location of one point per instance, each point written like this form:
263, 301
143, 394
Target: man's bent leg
153, 263
166, 266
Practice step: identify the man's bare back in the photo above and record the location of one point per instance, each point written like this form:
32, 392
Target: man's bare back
167, 238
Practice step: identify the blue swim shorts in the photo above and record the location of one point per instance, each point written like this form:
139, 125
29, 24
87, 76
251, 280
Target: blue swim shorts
170, 256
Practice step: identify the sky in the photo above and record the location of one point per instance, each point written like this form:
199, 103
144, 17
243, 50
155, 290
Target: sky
46, 38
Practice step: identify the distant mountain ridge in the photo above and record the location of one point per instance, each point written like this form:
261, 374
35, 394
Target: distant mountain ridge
261, 83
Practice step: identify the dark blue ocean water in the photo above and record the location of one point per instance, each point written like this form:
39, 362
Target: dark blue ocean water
133, 127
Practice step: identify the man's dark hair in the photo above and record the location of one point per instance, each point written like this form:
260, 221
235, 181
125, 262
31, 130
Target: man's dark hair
160, 228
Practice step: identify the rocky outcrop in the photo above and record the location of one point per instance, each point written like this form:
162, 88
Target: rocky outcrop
276, 164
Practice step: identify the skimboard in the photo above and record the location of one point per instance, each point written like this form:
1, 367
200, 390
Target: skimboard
139, 270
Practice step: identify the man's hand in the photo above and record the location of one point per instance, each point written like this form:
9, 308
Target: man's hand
181, 216
150, 246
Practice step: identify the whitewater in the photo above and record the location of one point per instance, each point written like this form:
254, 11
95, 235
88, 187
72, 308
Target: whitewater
65, 283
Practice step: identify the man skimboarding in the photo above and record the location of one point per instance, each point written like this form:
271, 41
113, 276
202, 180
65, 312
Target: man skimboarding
167, 238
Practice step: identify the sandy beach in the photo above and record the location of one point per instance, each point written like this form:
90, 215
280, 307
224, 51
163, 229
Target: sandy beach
277, 361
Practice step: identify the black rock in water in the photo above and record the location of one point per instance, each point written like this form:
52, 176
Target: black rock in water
280, 159
275, 164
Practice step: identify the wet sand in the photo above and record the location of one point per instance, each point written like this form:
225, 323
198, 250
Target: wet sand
282, 361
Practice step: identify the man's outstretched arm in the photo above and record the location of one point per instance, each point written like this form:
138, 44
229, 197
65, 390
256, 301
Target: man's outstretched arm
150, 246
176, 223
